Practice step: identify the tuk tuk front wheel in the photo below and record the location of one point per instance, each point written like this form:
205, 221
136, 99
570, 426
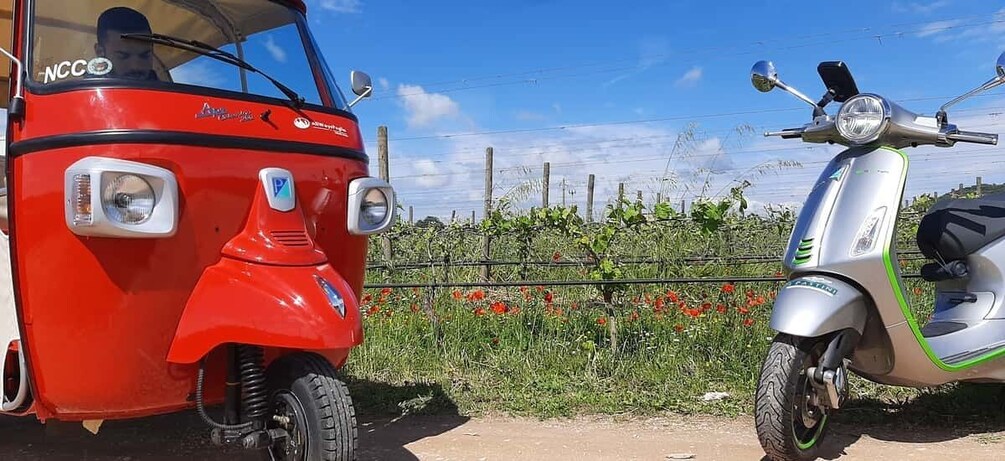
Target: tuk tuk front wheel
314, 408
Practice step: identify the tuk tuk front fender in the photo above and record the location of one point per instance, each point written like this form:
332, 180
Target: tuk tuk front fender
296, 307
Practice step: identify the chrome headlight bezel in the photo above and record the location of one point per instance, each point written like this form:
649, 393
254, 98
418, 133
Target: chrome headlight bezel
882, 122
359, 206
86, 210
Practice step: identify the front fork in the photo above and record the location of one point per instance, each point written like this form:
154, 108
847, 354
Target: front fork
830, 376
246, 403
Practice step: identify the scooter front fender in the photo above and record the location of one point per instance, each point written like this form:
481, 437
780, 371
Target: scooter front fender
814, 305
279, 306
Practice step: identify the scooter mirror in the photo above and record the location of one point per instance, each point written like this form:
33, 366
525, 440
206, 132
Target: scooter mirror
1000, 66
764, 76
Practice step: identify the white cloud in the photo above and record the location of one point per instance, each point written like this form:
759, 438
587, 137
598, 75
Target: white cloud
424, 108
938, 27
529, 116
341, 6
428, 170
690, 78
384, 84
275, 50
198, 72
920, 8
990, 30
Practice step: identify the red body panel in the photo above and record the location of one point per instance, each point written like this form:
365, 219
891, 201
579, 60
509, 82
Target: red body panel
249, 303
100, 314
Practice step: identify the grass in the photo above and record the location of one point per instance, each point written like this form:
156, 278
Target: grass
545, 351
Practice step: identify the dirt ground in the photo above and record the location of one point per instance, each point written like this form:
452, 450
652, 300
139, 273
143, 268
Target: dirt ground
496, 438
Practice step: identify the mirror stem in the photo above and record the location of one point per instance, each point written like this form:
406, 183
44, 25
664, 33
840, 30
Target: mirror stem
941, 115
796, 93
365, 94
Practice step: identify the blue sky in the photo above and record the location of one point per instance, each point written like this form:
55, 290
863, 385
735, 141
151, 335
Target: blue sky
509, 74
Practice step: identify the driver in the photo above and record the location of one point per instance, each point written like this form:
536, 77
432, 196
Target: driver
128, 58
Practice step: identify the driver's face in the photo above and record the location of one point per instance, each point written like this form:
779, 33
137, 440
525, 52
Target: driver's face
130, 58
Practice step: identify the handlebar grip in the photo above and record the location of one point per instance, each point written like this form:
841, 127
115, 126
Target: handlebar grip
787, 134
974, 137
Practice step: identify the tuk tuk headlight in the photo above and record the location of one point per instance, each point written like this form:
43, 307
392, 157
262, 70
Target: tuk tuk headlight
128, 199
106, 197
374, 207
370, 206
863, 118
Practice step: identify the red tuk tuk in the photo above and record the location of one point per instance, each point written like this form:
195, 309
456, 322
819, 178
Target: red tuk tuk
186, 220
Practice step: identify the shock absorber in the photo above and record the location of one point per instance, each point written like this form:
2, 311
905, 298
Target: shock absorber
254, 394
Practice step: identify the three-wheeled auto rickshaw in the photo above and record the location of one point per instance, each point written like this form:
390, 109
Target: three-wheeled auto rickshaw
186, 220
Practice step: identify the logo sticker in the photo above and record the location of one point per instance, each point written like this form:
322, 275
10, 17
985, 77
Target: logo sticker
280, 189
839, 173
303, 124
99, 66
334, 298
222, 114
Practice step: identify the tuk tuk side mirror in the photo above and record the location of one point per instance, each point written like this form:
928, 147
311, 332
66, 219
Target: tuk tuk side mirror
16, 109
362, 86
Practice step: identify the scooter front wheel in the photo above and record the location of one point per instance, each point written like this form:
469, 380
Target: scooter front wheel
314, 409
789, 417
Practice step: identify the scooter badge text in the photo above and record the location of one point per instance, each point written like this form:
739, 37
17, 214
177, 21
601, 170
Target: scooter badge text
819, 286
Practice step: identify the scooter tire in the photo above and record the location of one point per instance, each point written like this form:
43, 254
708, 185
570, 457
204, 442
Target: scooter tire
777, 400
332, 434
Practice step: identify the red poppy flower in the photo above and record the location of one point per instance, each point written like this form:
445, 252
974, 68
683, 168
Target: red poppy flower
499, 307
385, 291
601, 320
634, 316
748, 322
556, 257
479, 312
415, 307
457, 294
728, 288
678, 328
672, 296
720, 309
548, 297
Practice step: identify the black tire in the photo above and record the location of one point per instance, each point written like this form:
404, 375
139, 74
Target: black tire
788, 426
304, 388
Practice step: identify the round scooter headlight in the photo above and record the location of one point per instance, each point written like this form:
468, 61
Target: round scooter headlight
862, 119
374, 208
128, 199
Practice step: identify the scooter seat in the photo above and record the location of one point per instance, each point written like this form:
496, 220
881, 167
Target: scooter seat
955, 229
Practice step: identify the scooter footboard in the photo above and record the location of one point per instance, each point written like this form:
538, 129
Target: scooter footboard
815, 305
305, 307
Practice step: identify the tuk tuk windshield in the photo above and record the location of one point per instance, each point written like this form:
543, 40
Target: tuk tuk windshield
96, 40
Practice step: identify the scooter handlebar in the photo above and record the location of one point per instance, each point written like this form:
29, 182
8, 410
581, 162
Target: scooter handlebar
787, 134
974, 137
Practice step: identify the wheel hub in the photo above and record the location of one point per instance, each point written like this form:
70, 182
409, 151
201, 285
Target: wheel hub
288, 415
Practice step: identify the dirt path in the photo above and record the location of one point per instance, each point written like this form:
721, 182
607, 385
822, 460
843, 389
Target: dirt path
458, 438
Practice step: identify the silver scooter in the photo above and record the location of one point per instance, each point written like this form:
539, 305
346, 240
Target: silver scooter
844, 306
